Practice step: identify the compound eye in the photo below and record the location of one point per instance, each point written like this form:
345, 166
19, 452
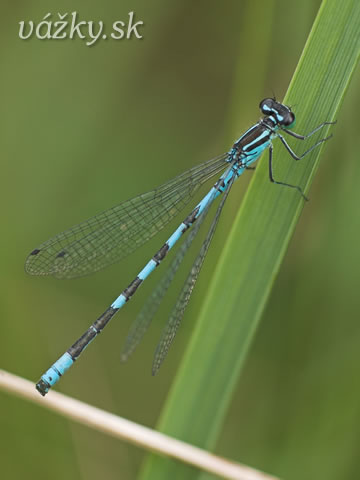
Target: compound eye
289, 119
267, 106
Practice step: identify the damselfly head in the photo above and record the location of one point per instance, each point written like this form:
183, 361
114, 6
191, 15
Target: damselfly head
281, 114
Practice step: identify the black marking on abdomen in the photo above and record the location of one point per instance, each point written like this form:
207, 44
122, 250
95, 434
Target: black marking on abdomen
61, 254
131, 289
190, 219
76, 349
36, 251
100, 323
161, 254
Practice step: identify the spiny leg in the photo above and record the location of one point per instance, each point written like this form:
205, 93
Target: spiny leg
271, 176
304, 137
299, 157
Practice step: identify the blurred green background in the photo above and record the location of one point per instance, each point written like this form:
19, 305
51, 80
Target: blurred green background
83, 128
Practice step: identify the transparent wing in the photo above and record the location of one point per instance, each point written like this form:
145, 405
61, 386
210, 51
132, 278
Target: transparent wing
144, 318
115, 233
174, 321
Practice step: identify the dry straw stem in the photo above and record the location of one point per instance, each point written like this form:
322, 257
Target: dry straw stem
129, 431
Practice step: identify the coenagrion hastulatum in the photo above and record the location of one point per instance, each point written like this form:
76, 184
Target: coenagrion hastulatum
115, 233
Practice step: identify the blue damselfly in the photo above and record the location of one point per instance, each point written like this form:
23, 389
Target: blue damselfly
115, 233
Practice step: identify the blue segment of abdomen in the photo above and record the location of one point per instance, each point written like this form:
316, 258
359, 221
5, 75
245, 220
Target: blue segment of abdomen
175, 236
149, 267
209, 197
216, 191
119, 302
58, 369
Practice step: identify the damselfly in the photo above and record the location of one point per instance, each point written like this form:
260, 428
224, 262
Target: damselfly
113, 234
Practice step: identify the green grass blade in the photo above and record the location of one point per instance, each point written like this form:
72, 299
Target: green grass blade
255, 248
